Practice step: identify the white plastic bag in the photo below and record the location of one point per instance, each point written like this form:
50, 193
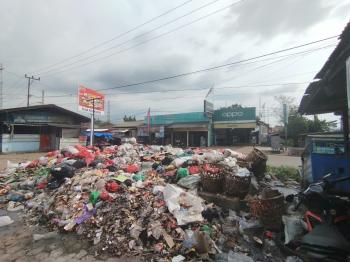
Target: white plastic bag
5, 220
72, 150
174, 195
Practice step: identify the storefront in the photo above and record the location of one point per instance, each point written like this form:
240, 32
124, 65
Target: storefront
233, 125
39, 128
186, 129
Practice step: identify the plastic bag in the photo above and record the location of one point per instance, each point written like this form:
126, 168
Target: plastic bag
293, 227
139, 177
60, 172
134, 168
86, 215
5, 220
194, 170
94, 197
174, 196
243, 172
132, 141
43, 160
182, 172
112, 186
72, 150
178, 162
53, 153
232, 256
189, 182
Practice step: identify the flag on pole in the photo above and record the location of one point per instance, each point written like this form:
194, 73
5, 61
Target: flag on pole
149, 121
210, 91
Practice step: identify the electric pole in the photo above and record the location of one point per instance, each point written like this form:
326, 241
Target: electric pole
108, 111
42, 96
30, 78
1, 86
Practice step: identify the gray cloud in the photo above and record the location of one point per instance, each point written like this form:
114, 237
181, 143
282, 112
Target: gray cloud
35, 34
268, 18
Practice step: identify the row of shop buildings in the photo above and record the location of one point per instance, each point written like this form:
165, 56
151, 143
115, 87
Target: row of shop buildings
228, 126
50, 127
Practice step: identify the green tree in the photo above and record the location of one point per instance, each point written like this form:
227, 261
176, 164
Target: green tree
298, 124
129, 118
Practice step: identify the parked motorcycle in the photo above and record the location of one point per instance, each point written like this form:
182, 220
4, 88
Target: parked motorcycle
328, 221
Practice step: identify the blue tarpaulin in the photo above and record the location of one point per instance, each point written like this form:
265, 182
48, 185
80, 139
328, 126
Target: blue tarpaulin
98, 134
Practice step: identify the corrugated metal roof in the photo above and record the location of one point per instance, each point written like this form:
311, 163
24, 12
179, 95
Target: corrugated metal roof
328, 94
45, 107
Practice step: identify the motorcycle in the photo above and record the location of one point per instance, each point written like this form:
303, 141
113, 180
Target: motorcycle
327, 217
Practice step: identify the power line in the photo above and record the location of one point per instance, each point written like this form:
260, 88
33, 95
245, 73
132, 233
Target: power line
148, 40
132, 39
218, 66
116, 37
198, 89
155, 91
284, 57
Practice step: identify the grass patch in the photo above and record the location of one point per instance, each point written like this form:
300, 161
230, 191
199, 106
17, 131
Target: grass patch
284, 173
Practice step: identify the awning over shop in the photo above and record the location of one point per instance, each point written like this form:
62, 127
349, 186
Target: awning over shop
121, 130
234, 125
189, 127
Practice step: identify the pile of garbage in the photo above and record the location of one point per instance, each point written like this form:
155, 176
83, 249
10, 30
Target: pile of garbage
143, 200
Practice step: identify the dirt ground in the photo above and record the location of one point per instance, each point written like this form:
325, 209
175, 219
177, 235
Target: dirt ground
17, 245
19, 157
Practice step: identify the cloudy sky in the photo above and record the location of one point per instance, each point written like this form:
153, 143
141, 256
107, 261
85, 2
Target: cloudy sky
107, 44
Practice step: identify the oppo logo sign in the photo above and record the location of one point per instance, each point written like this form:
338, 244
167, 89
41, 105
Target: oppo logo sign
232, 114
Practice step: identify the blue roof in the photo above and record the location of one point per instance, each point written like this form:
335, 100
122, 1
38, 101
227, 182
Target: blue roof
178, 118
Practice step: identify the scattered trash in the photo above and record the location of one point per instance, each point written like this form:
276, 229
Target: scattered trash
178, 258
293, 227
142, 200
185, 207
46, 236
189, 182
232, 256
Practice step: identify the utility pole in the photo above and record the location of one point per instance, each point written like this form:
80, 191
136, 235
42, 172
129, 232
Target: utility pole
42, 96
108, 111
30, 78
1, 86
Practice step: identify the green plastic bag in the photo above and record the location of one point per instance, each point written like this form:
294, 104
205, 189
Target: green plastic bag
207, 229
94, 197
181, 173
139, 177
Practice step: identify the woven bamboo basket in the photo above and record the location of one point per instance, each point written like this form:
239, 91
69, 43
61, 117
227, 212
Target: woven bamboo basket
269, 209
235, 185
212, 181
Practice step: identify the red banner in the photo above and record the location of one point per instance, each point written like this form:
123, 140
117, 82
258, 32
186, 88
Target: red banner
89, 99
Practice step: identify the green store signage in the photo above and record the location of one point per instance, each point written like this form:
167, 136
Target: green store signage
235, 114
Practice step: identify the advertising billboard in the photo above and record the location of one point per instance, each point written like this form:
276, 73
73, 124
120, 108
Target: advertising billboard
232, 114
89, 99
208, 108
